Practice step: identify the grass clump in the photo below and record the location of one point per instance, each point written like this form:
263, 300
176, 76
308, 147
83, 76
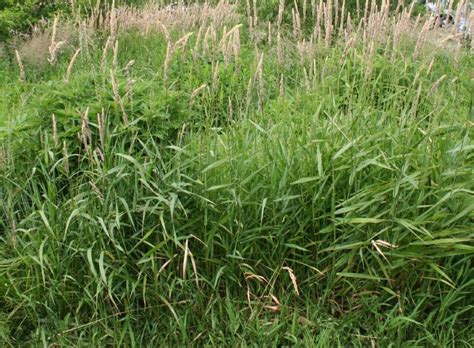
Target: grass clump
243, 184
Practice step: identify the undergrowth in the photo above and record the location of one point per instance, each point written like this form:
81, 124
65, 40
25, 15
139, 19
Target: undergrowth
296, 191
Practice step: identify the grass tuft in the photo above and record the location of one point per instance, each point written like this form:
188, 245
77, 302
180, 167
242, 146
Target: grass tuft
286, 175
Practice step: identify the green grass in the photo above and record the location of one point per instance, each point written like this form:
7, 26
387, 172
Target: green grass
188, 224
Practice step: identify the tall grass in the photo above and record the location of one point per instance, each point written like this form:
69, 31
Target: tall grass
263, 184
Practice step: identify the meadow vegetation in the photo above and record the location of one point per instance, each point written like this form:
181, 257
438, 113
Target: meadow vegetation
244, 174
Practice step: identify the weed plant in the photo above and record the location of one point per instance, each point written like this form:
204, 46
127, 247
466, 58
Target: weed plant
261, 184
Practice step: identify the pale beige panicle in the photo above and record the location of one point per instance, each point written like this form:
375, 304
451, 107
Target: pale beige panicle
20, 66
71, 64
178, 17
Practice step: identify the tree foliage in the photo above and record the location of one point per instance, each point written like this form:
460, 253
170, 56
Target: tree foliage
16, 16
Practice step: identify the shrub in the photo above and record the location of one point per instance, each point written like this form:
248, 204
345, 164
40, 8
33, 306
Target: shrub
19, 17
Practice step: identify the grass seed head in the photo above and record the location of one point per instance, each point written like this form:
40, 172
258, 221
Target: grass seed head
20, 66
71, 64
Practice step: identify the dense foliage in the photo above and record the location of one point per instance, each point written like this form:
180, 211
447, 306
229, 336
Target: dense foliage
282, 192
16, 16
19, 16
